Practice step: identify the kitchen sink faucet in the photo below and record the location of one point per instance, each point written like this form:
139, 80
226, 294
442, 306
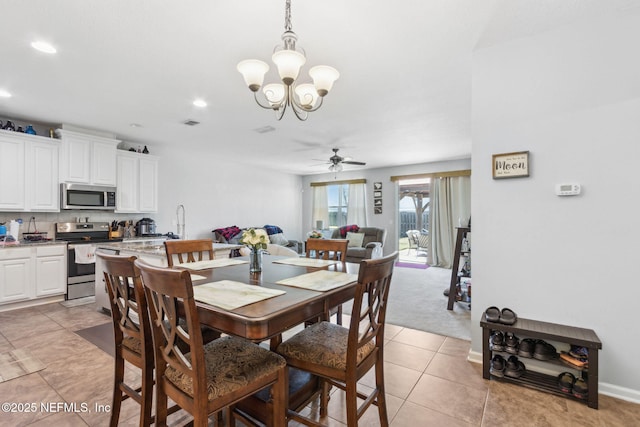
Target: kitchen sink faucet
181, 225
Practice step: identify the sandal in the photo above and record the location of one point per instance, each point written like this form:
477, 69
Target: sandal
508, 317
492, 314
580, 389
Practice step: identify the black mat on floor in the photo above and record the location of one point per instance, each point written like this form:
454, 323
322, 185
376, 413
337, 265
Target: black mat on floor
101, 336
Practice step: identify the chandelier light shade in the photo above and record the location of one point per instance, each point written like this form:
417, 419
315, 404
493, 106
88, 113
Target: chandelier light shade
303, 98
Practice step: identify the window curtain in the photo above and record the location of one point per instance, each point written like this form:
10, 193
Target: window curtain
450, 208
320, 208
357, 209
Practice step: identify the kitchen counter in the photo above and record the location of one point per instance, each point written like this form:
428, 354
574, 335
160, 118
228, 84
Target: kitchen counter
155, 246
23, 243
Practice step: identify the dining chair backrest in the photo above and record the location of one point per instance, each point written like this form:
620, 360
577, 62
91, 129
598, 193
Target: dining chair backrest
132, 331
369, 306
184, 251
165, 290
333, 249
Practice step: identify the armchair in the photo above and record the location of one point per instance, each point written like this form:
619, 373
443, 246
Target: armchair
372, 243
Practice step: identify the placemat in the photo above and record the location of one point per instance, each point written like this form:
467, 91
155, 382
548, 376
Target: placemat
230, 295
306, 262
321, 280
195, 277
211, 263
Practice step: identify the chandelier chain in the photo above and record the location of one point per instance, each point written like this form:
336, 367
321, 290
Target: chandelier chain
287, 16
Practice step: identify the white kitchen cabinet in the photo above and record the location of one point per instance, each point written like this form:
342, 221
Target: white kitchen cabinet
137, 182
29, 173
43, 191
51, 270
12, 172
87, 159
31, 272
16, 274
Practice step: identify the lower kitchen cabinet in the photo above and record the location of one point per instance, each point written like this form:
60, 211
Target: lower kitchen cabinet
31, 272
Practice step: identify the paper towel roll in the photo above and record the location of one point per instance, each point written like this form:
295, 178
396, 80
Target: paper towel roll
14, 229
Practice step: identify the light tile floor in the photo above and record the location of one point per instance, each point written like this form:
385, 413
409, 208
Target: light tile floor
428, 379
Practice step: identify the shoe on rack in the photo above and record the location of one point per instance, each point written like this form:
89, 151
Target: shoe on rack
514, 368
579, 352
544, 351
497, 366
566, 381
511, 343
527, 347
580, 389
496, 342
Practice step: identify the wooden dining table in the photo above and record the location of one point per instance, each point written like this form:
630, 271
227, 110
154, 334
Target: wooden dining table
271, 317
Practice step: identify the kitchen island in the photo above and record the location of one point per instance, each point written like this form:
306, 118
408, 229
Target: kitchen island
150, 250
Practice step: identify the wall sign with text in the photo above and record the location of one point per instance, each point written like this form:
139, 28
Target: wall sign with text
510, 165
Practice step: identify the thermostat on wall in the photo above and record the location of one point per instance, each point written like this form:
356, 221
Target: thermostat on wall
567, 189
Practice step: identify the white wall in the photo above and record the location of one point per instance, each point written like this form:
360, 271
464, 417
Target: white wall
219, 193
389, 217
571, 96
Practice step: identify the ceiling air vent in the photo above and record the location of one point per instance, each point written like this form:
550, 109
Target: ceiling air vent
191, 122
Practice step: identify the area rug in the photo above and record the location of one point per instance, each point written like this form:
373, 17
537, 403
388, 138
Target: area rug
412, 265
17, 363
101, 336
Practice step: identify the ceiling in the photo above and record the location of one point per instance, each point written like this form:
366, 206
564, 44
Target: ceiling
403, 97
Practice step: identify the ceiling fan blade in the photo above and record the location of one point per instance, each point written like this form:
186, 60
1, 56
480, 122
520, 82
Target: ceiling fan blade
351, 162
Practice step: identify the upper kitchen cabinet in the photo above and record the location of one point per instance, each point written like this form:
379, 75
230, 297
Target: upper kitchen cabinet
87, 159
137, 182
29, 173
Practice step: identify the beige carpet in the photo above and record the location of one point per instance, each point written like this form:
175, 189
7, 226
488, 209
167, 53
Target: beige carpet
17, 363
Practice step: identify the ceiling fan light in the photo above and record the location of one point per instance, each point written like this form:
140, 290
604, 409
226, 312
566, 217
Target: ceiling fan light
253, 71
336, 167
274, 92
288, 63
307, 95
323, 78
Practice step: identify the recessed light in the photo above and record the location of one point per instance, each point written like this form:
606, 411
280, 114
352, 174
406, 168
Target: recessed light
200, 103
4, 94
43, 47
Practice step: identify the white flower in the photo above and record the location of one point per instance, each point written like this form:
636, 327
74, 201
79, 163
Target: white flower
256, 239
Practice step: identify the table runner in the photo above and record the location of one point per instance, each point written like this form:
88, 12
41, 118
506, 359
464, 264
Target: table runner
211, 263
321, 280
306, 262
230, 295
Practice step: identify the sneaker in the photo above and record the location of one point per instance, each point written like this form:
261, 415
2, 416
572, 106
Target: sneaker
580, 389
566, 381
497, 366
511, 342
527, 347
580, 353
544, 351
496, 342
514, 368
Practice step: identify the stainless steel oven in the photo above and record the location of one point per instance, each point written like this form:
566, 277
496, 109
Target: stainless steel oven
81, 267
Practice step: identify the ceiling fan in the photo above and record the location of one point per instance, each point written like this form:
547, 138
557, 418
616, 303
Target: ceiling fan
337, 161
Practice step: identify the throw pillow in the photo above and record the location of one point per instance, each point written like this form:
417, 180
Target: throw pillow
278, 239
228, 232
272, 229
355, 239
348, 228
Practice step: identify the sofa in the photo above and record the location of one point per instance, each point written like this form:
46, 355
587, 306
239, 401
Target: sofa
364, 242
232, 235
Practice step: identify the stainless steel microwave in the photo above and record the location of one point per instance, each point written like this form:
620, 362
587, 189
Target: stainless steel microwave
80, 196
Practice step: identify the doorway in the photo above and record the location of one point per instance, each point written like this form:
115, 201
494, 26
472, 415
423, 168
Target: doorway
413, 214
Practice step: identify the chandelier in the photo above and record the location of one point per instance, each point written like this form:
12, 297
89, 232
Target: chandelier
303, 98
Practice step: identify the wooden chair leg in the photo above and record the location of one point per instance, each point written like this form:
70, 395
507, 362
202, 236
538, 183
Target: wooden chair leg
351, 400
280, 398
116, 402
161, 406
381, 400
339, 315
147, 398
324, 397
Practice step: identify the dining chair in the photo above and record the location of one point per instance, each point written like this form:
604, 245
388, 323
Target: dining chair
329, 249
203, 380
132, 334
188, 250
341, 356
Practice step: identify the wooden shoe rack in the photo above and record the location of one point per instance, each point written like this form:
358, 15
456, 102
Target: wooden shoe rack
526, 328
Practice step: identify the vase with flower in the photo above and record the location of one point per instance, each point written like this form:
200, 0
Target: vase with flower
256, 241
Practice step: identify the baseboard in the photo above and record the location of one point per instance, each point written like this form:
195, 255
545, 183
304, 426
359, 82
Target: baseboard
607, 389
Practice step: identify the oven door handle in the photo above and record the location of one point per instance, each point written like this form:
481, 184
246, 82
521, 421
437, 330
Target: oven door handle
73, 245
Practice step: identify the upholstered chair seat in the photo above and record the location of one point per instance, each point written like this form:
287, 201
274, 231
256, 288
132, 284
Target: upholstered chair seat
231, 364
323, 344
